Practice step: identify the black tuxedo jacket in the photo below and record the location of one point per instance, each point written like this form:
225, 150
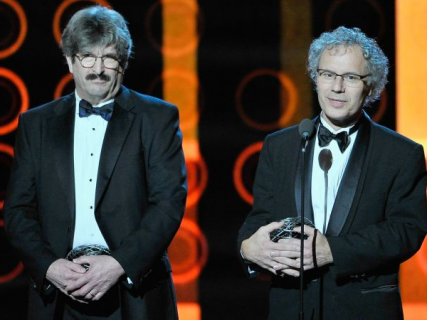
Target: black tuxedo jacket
377, 222
140, 197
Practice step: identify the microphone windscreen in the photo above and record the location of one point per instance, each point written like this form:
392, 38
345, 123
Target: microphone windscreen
306, 128
325, 160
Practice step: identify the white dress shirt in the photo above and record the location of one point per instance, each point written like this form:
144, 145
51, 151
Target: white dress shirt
334, 177
89, 135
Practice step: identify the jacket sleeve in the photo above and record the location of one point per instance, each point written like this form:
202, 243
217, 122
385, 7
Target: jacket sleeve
263, 202
167, 190
20, 211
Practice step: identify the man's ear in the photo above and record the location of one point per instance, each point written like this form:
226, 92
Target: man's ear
70, 63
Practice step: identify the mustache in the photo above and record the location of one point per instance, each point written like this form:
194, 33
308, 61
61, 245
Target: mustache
103, 77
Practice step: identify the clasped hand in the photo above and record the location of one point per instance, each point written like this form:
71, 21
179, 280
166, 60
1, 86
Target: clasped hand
85, 285
283, 257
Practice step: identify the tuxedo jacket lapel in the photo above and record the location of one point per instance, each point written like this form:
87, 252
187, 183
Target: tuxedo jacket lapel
352, 180
60, 129
115, 136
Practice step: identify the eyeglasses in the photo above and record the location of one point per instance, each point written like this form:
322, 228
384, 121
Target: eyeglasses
88, 61
349, 79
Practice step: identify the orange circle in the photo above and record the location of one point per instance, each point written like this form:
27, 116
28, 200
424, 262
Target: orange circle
286, 115
186, 253
197, 180
15, 272
197, 255
374, 4
59, 12
25, 100
181, 85
5, 148
238, 168
175, 45
23, 30
62, 84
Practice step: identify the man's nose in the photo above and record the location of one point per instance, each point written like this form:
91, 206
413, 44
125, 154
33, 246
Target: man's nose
98, 67
338, 85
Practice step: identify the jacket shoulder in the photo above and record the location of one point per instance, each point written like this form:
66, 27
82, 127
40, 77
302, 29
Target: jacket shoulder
50, 108
289, 134
392, 137
148, 104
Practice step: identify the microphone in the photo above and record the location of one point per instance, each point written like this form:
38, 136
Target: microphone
306, 128
325, 163
325, 160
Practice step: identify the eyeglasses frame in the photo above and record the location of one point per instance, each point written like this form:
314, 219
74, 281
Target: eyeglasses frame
362, 77
80, 58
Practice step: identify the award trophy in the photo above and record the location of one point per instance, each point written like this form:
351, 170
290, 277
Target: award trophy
287, 230
87, 250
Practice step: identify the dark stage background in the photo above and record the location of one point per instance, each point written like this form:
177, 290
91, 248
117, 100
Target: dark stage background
249, 78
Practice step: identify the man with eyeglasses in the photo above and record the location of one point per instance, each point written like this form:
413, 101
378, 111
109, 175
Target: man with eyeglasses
98, 187
364, 190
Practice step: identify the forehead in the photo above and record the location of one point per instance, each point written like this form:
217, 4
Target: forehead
100, 51
344, 59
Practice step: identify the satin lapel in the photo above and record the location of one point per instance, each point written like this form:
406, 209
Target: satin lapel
308, 209
353, 177
60, 129
115, 136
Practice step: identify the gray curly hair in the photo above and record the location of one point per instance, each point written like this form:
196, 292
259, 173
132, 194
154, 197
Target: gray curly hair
375, 58
97, 26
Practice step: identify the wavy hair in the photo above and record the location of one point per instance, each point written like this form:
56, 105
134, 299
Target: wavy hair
376, 60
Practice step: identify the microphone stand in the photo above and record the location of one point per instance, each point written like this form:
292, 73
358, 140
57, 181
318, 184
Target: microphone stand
306, 129
303, 149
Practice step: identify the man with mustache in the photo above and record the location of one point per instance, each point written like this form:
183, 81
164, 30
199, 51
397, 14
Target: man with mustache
100, 175
368, 206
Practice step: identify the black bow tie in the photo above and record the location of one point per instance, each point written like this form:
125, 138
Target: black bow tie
86, 109
325, 137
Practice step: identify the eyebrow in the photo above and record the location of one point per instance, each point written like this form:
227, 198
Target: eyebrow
351, 72
109, 55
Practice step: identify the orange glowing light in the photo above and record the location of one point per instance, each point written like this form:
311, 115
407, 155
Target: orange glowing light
415, 310
61, 85
182, 86
187, 310
60, 11
196, 252
411, 115
178, 38
411, 69
238, 168
13, 274
22, 32
178, 45
288, 110
25, 100
5, 148
382, 107
421, 257
197, 180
